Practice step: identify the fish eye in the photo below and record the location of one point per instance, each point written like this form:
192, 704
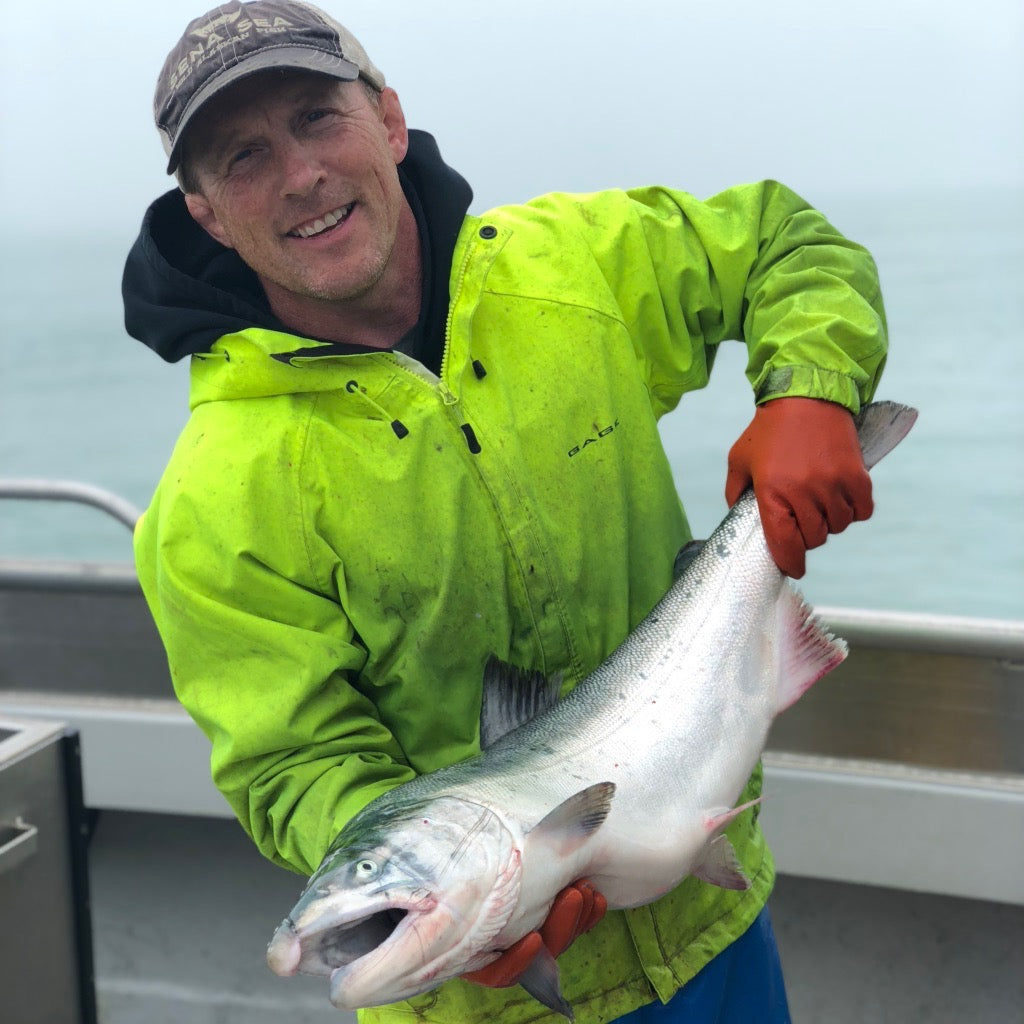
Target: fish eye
366, 870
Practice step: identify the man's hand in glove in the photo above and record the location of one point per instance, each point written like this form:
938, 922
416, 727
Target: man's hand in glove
802, 457
576, 909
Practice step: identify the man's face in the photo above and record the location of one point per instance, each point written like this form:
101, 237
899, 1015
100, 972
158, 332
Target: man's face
297, 173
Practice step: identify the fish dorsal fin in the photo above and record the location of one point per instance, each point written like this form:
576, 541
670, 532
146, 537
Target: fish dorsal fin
685, 556
807, 651
720, 866
575, 820
511, 697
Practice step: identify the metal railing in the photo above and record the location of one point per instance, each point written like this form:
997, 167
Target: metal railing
922, 726
29, 489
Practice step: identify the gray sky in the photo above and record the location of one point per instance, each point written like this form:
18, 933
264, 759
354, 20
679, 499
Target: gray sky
536, 95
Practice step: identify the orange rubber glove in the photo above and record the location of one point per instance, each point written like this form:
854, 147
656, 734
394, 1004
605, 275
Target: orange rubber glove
575, 910
802, 457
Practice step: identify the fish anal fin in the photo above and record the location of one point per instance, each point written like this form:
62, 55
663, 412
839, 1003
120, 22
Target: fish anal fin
807, 651
720, 866
511, 697
573, 821
542, 981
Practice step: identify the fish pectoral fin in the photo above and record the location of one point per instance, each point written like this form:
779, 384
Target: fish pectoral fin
542, 981
575, 820
720, 866
511, 697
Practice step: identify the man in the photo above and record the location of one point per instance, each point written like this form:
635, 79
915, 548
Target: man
420, 437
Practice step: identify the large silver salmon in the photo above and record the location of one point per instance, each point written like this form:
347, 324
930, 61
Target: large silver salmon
630, 781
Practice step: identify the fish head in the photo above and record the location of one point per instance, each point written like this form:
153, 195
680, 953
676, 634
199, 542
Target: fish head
407, 896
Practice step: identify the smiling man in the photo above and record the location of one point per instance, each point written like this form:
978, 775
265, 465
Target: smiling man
420, 437
303, 185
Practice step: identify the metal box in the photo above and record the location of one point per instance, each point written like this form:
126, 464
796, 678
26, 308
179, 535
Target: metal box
46, 972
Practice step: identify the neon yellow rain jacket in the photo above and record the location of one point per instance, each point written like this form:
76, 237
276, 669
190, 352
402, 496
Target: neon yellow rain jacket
339, 542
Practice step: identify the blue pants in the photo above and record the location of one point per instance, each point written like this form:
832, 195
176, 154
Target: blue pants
741, 985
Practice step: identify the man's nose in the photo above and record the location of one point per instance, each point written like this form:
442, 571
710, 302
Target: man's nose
302, 171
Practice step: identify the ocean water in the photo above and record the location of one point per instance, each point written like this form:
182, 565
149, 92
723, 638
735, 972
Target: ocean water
80, 400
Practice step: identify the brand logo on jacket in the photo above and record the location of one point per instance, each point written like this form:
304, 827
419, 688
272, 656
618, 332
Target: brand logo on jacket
603, 432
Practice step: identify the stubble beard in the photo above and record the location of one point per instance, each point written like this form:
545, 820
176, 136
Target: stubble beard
301, 287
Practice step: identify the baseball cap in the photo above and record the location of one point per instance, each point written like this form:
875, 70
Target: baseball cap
238, 39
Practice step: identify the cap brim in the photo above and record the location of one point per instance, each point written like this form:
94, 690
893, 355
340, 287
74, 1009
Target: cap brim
301, 58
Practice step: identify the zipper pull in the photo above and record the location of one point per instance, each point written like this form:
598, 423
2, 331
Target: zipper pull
472, 443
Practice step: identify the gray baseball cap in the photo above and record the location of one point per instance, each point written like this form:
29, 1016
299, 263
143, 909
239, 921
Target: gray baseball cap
238, 39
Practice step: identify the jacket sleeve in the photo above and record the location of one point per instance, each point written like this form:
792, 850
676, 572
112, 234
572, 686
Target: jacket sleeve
262, 658
756, 264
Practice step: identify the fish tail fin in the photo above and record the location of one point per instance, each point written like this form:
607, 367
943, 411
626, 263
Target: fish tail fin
807, 650
880, 427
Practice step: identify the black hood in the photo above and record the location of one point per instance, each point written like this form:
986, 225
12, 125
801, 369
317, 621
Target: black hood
182, 290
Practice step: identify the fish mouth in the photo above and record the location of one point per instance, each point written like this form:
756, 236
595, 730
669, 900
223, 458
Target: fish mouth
341, 947
373, 950
336, 942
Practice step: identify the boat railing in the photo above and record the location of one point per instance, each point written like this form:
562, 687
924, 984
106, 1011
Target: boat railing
889, 772
30, 489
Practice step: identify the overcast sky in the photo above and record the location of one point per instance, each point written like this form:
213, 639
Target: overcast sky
536, 95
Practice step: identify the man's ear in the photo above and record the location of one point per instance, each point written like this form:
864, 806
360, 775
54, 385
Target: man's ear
203, 215
394, 121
